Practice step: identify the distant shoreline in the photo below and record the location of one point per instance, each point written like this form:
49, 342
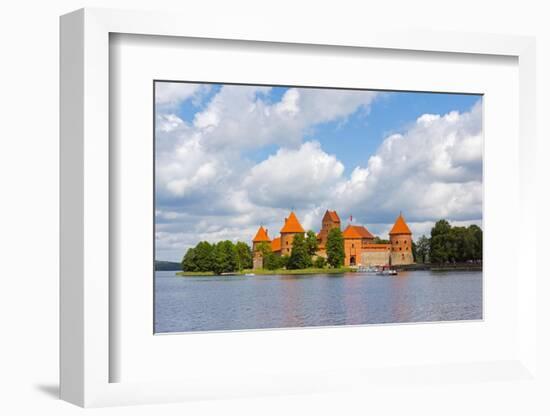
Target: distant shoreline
338, 270
456, 267
413, 267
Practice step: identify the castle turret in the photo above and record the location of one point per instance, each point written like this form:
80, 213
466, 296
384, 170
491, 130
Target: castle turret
401, 242
261, 237
330, 220
291, 227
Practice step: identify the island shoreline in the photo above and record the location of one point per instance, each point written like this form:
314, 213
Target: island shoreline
340, 270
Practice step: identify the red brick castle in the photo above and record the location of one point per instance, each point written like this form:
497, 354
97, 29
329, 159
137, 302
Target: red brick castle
359, 246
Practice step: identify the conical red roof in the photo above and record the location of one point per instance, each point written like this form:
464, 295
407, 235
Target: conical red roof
332, 215
261, 236
400, 226
292, 225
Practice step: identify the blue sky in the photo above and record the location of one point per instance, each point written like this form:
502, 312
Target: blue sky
230, 158
392, 113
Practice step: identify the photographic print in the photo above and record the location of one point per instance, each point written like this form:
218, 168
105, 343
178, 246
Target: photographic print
294, 207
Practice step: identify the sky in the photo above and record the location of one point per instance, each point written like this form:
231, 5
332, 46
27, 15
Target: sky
229, 158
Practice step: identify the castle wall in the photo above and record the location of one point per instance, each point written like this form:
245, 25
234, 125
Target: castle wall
257, 260
286, 243
375, 257
401, 258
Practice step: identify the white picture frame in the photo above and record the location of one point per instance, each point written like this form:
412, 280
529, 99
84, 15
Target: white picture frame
86, 355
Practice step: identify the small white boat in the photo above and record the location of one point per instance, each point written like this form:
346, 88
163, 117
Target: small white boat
367, 269
250, 274
388, 272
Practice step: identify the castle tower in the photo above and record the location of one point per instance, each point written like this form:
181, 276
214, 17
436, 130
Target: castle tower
257, 257
291, 227
356, 237
401, 242
330, 220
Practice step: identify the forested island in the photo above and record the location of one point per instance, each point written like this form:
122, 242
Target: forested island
446, 247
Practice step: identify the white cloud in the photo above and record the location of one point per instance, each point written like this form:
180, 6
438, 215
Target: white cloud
207, 189
173, 93
200, 163
294, 178
243, 117
432, 170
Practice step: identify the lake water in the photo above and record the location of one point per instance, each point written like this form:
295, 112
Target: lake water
240, 302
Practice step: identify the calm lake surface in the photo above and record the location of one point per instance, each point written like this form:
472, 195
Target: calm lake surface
239, 302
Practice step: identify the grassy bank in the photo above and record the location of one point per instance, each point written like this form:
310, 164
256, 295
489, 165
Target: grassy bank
340, 270
195, 273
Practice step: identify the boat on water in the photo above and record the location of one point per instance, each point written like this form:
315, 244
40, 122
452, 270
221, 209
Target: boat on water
378, 270
250, 274
368, 269
387, 272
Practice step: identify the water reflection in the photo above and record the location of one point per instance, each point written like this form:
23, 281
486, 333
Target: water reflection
291, 305
401, 299
225, 303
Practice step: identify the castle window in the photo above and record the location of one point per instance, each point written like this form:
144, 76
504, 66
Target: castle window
352, 246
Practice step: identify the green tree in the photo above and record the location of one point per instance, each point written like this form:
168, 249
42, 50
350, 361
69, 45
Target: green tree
204, 256
299, 256
455, 244
465, 243
188, 263
440, 244
312, 243
468, 245
244, 255
378, 240
225, 257
272, 261
284, 261
441, 227
423, 249
477, 234
335, 248
438, 250
320, 262
265, 249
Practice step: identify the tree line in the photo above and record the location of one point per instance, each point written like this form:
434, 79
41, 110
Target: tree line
448, 244
227, 257
222, 257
